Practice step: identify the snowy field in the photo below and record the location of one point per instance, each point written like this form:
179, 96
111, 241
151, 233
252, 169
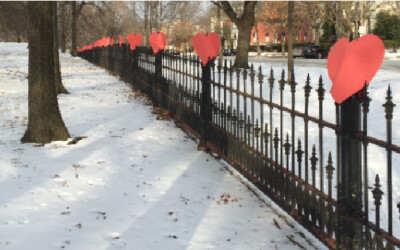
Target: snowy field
135, 182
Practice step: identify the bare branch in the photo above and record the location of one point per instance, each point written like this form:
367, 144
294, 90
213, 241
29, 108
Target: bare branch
227, 8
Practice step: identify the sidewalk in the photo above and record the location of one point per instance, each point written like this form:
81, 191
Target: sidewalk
136, 182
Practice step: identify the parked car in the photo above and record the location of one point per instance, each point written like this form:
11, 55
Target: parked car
229, 52
299, 51
316, 51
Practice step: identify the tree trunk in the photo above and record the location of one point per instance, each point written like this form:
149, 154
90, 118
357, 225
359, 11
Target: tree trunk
73, 35
62, 26
290, 40
242, 55
244, 25
146, 24
57, 74
283, 39
219, 32
44, 119
258, 41
316, 30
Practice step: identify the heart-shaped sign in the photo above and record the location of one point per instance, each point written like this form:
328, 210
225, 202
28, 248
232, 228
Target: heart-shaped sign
134, 40
157, 41
351, 64
206, 46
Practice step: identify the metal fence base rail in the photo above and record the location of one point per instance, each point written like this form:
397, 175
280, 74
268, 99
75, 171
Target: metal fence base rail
206, 101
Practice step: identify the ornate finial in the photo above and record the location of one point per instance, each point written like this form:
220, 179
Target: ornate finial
287, 145
329, 168
292, 83
307, 88
244, 74
282, 80
249, 125
320, 90
389, 105
234, 117
271, 78
241, 120
266, 134
257, 129
377, 192
229, 114
276, 138
260, 76
252, 73
313, 159
299, 152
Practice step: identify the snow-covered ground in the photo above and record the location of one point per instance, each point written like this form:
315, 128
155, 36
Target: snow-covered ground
389, 54
135, 182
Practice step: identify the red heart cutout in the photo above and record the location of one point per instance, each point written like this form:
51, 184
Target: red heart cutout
351, 64
206, 46
134, 40
121, 40
157, 41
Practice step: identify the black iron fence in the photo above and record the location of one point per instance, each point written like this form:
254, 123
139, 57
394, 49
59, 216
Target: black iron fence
235, 113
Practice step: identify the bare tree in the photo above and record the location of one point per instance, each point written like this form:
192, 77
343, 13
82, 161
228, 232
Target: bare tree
44, 119
347, 16
244, 23
154, 16
315, 17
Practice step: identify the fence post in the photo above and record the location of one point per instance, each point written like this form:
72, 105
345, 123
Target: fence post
205, 107
158, 74
350, 182
205, 101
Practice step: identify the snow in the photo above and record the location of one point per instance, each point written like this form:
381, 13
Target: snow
135, 182
390, 55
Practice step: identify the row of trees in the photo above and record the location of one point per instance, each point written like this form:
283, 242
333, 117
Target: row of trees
76, 23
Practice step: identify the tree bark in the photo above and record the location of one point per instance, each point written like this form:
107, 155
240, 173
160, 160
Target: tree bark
316, 38
290, 40
73, 33
146, 24
283, 39
60, 89
242, 55
218, 30
62, 26
44, 119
